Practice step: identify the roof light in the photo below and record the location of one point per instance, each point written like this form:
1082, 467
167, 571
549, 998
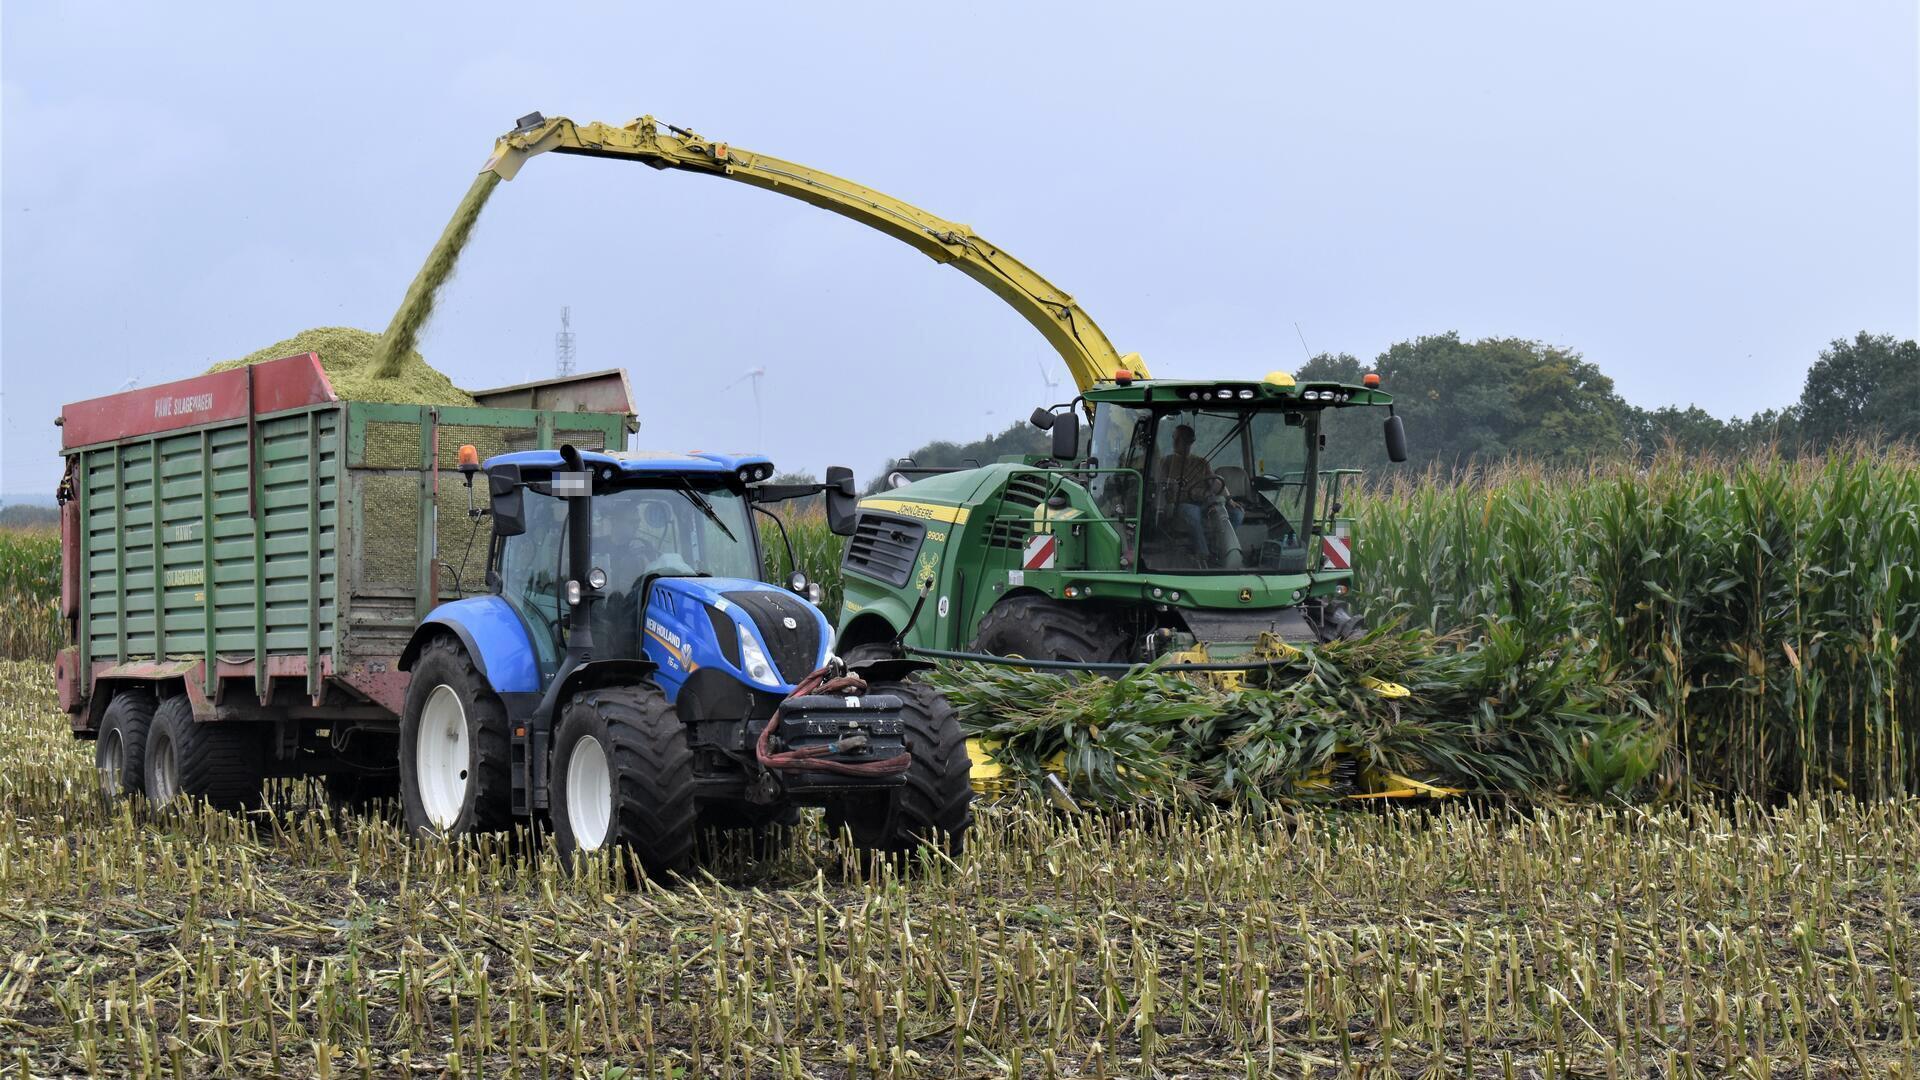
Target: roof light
1224, 394
1372, 380
1311, 395
1246, 395
1122, 376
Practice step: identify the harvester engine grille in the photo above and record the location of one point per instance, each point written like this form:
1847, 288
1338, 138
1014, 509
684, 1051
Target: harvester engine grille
787, 625
883, 547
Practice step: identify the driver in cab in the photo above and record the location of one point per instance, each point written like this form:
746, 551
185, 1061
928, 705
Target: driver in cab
1191, 487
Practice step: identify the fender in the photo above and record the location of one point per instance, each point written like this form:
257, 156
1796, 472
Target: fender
885, 608
890, 670
494, 637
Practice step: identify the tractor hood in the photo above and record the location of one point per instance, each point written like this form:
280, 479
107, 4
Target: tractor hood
762, 634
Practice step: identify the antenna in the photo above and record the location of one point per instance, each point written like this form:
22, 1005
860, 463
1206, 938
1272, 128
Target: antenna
755, 374
563, 345
1303, 340
1047, 376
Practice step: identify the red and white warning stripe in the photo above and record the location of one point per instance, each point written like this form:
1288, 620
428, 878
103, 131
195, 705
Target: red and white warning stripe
1039, 553
1338, 552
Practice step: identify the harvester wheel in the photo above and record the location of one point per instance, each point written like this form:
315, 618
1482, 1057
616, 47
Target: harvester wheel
1041, 628
222, 763
623, 774
120, 750
935, 805
454, 775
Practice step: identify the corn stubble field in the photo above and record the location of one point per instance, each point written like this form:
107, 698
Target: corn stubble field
1740, 898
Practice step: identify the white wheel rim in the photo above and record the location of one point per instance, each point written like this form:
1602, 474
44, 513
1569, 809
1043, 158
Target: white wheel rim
589, 794
440, 756
113, 762
165, 782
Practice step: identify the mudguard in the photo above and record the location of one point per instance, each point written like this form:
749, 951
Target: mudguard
494, 636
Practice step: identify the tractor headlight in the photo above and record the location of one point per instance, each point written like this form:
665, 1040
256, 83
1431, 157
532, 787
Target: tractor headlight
816, 594
753, 660
797, 581
597, 578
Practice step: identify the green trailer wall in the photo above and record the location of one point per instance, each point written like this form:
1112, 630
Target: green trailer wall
311, 541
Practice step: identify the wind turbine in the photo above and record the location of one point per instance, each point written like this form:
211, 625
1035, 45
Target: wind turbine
759, 432
1047, 376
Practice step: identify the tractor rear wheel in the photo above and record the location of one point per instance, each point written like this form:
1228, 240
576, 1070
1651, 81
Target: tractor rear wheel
934, 807
1041, 628
454, 775
221, 763
623, 775
120, 749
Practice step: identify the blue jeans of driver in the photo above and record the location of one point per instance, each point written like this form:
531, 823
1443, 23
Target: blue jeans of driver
1195, 516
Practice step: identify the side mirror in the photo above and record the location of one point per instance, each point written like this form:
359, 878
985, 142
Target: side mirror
842, 500
509, 500
1066, 436
1396, 439
1041, 419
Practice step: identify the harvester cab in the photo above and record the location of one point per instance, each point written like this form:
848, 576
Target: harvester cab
630, 675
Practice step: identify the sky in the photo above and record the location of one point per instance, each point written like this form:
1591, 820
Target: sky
1697, 197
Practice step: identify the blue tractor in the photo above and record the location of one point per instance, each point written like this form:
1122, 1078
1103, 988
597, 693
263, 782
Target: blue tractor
630, 678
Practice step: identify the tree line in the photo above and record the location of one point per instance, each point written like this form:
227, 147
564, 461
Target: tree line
1477, 401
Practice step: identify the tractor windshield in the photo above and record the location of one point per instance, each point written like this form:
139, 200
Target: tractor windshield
668, 527
672, 529
1225, 488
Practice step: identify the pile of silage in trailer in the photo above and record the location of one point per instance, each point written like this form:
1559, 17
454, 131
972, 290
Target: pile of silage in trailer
350, 356
1498, 713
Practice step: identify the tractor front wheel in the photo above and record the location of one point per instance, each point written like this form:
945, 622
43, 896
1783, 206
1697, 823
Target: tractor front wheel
934, 807
623, 775
1040, 628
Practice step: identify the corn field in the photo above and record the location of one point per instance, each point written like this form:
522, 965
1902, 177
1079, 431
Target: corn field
1766, 610
29, 593
1693, 941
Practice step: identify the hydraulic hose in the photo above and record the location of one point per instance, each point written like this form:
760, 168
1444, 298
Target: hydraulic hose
1089, 665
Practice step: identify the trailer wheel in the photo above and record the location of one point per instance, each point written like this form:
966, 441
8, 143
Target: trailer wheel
1041, 628
120, 750
934, 807
223, 764
623, 775
454, 774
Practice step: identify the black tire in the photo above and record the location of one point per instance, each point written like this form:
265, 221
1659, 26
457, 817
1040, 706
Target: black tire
481, 799
873, 650
1041, 628
120, 748
223, 764
649, 776
934, 806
